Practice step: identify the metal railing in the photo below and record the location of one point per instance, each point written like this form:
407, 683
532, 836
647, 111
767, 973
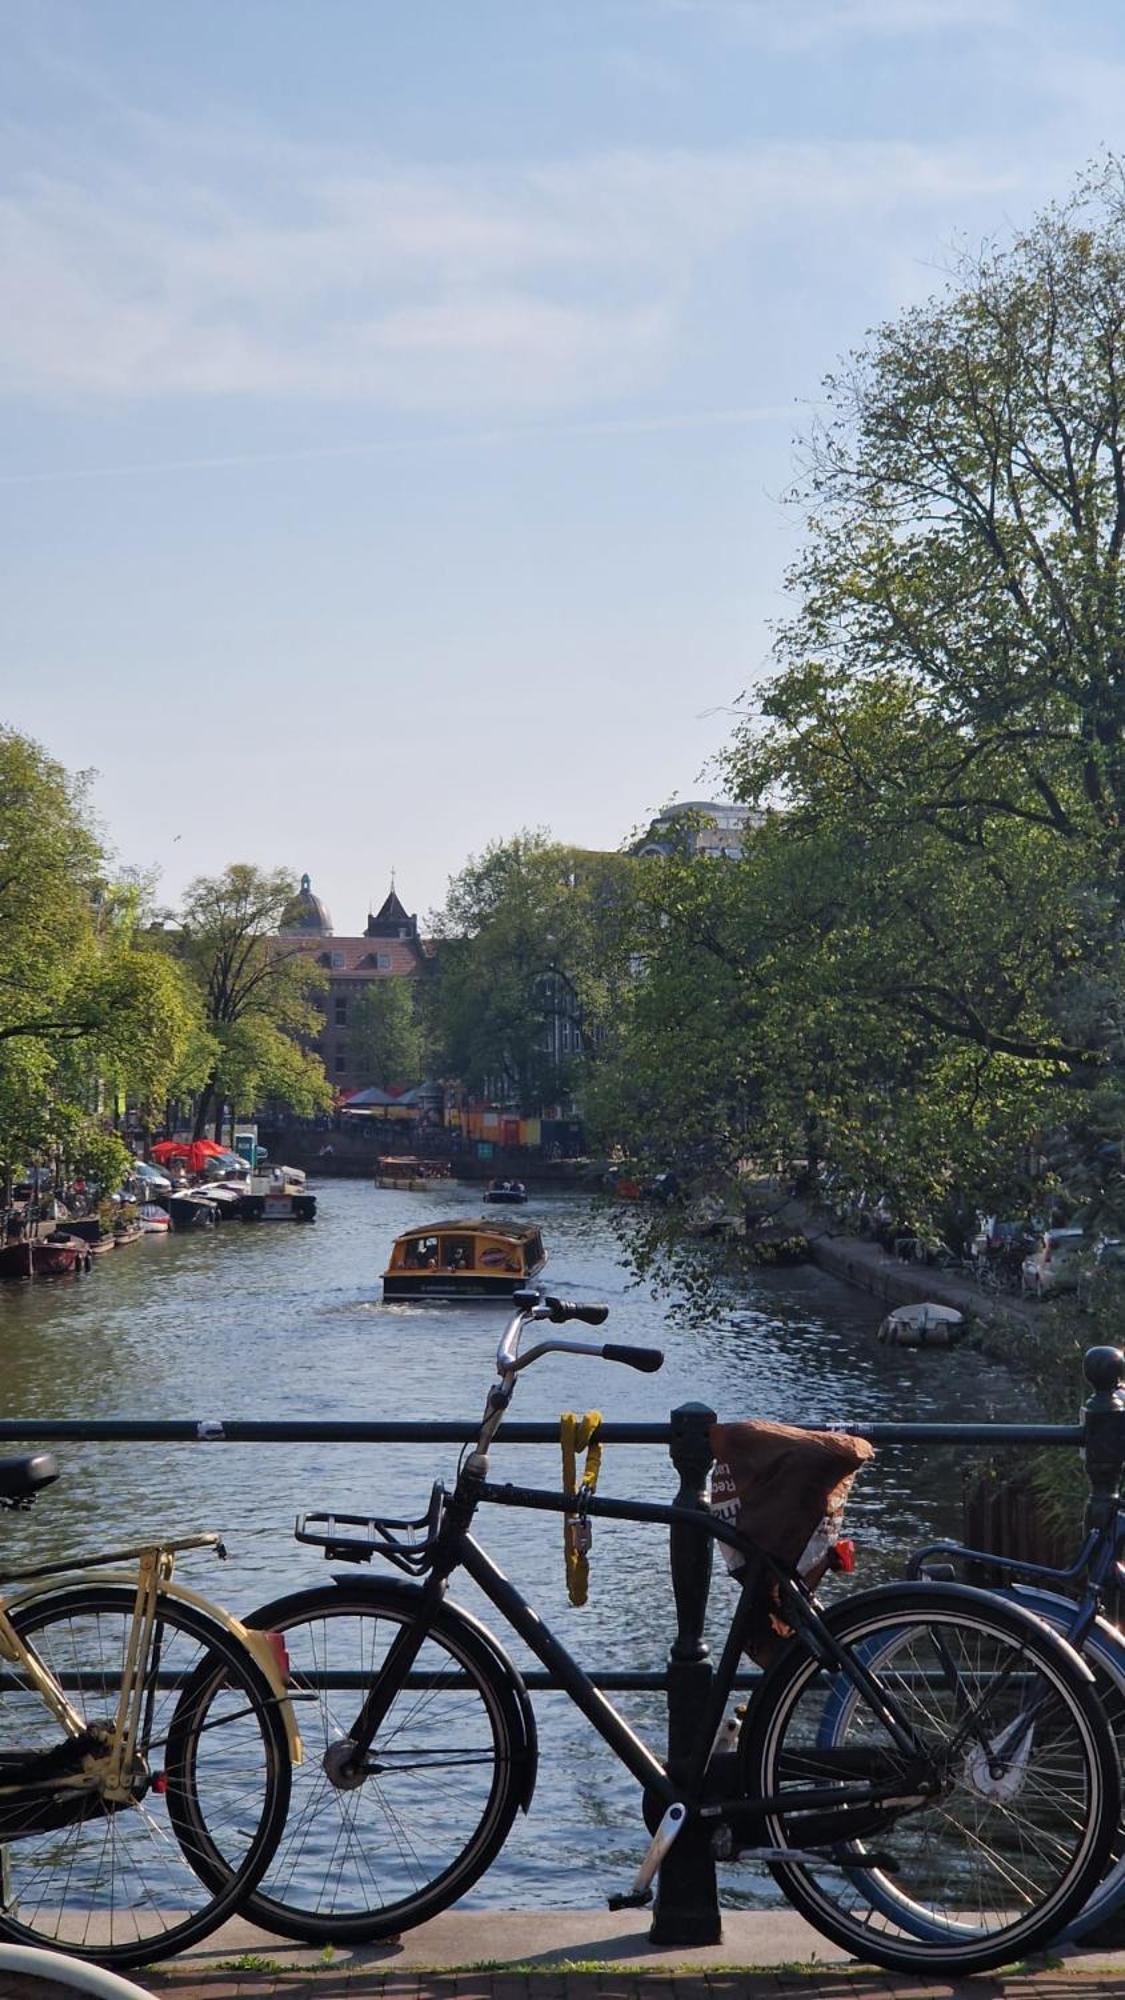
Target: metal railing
687, 1907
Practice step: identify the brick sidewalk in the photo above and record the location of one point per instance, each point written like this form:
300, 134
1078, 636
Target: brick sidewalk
362, 1983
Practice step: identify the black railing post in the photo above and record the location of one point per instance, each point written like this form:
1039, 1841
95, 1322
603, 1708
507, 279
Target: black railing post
687, 1895
1103, 1439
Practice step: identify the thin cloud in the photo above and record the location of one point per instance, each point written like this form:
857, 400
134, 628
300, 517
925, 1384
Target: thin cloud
421, 446
291, 272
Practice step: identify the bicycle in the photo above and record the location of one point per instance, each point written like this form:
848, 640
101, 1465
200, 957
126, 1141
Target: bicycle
975, 1782
1096, 1573
142, 1731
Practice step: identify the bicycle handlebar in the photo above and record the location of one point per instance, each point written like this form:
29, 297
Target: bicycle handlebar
558, 1311
647, 1359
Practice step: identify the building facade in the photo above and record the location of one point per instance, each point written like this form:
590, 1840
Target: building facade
389, 948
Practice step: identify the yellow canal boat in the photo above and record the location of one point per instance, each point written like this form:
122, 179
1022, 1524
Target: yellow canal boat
484, 1257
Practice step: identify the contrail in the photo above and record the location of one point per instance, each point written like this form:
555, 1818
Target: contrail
443, 441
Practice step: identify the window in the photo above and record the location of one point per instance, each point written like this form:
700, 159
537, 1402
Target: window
337, 960
341, 1013
341, 1060
383, 960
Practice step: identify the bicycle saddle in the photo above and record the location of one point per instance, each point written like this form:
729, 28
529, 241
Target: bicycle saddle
21, 1478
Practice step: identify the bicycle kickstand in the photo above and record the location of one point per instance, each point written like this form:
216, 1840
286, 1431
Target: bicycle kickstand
641, 1892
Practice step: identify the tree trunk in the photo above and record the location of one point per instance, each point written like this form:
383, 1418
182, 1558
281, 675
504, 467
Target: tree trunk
199, 1129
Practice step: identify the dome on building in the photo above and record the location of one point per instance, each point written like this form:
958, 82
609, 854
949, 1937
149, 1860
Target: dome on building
307, 913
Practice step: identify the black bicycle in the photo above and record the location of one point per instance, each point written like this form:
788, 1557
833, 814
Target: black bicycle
955, 1809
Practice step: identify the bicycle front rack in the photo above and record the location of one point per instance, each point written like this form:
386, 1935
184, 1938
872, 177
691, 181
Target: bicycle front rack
359, 1537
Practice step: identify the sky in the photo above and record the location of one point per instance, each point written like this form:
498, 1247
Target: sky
398, 403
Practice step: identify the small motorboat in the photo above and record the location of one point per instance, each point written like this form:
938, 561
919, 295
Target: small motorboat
926, 1325
488, 1257
153, 1219
193, 1208
510, 1193
53, 1256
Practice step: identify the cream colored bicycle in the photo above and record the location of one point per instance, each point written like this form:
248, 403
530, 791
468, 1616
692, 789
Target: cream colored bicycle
144, 1733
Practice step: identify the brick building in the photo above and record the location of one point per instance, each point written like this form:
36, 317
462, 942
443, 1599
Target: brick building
390, 948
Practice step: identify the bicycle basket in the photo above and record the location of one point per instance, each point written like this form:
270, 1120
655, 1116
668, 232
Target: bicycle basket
784, 1489
359, 1537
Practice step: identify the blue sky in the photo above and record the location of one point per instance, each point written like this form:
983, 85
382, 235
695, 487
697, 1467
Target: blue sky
397, 402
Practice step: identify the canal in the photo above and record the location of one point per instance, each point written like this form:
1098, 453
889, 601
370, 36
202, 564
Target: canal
286, 1321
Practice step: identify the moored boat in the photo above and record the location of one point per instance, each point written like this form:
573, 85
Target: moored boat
925, 1325
278, 1196
482, 1257
43, 1256
153, 1219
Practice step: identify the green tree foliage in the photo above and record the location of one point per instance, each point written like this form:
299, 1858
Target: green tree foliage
520, 919
919, 962
255, 991
386, 1032
86, 1011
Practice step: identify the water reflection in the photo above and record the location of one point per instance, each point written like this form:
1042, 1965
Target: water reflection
287, 1322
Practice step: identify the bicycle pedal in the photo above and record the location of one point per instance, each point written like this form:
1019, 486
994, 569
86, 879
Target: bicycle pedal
630, 1899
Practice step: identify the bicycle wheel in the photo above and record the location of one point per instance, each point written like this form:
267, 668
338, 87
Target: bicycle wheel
29, 1973
1104, 1654
116, 1879
1024, 1817
446, 1775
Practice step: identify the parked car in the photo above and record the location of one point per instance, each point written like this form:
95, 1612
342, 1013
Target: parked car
1055, 1263
1105, 1265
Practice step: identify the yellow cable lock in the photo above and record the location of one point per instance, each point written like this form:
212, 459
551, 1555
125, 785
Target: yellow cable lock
579, 1434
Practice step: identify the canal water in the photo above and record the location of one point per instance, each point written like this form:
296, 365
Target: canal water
286, 1321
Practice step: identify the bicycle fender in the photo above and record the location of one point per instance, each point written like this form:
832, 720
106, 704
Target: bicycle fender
478, 1635
254, 1643
930, 1594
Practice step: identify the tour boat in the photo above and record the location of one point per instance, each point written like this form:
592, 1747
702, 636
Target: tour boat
409, 1173
486, 1257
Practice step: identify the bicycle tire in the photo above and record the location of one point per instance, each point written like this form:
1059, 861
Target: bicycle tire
1043, 1843
29, 1973
356, 1865
132, 1891
1104, 1654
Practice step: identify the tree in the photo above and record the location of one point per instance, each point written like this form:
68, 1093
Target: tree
947, 729
528, 928
85, 1009
386, 1033
255, 989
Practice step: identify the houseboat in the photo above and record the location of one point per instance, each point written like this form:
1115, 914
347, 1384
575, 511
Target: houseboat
482, 1257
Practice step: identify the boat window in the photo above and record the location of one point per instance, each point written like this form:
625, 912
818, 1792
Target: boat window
456, 1253
421, 1253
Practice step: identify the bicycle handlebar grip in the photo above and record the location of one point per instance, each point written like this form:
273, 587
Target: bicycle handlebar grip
560, 1310
647, 1359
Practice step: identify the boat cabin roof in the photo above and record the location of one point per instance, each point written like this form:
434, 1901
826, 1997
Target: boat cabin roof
513, 1227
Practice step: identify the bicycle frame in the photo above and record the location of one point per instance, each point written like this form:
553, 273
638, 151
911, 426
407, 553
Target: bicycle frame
152, 1580
456, 1549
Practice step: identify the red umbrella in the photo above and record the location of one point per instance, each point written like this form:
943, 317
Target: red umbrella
194, 1152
